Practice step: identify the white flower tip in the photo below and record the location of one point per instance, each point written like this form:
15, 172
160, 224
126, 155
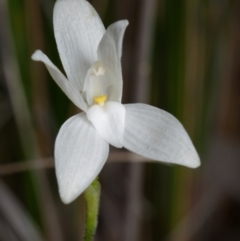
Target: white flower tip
69, 189
68, 192
193, 160
37, 55
67, 197
125, 22
194, 164
122, 24
198, 164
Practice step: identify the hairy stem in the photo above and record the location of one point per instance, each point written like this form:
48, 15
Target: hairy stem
92, 196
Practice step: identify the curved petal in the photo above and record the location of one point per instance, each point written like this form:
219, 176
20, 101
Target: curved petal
78, 31
110, 53
61, 80
156, 134
80, 154
109, 121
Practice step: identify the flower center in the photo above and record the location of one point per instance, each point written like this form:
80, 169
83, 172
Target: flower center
98, 69
97, 84
100, 100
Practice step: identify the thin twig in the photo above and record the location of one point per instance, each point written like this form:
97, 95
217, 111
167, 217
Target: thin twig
13, 168
43, 163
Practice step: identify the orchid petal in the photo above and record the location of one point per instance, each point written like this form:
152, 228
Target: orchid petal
80, 154
78, 31
109, 121
156, 134
110, 53
61, 80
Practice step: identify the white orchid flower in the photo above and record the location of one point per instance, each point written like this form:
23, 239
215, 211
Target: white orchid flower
91, 57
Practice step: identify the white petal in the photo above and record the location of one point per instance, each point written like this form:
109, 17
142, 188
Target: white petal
110, 52
78, 31
80, 154
156, 134
61, 80
109, 121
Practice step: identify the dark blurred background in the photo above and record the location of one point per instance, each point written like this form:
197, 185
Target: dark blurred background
180, 55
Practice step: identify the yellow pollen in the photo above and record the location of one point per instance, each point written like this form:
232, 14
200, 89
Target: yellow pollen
100, 100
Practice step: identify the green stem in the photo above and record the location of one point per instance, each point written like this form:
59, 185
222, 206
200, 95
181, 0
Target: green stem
92, 196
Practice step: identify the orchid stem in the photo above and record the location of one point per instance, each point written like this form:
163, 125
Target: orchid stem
92, 198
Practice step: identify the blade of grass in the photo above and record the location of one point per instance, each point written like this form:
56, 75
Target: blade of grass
17, 217
25, 127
